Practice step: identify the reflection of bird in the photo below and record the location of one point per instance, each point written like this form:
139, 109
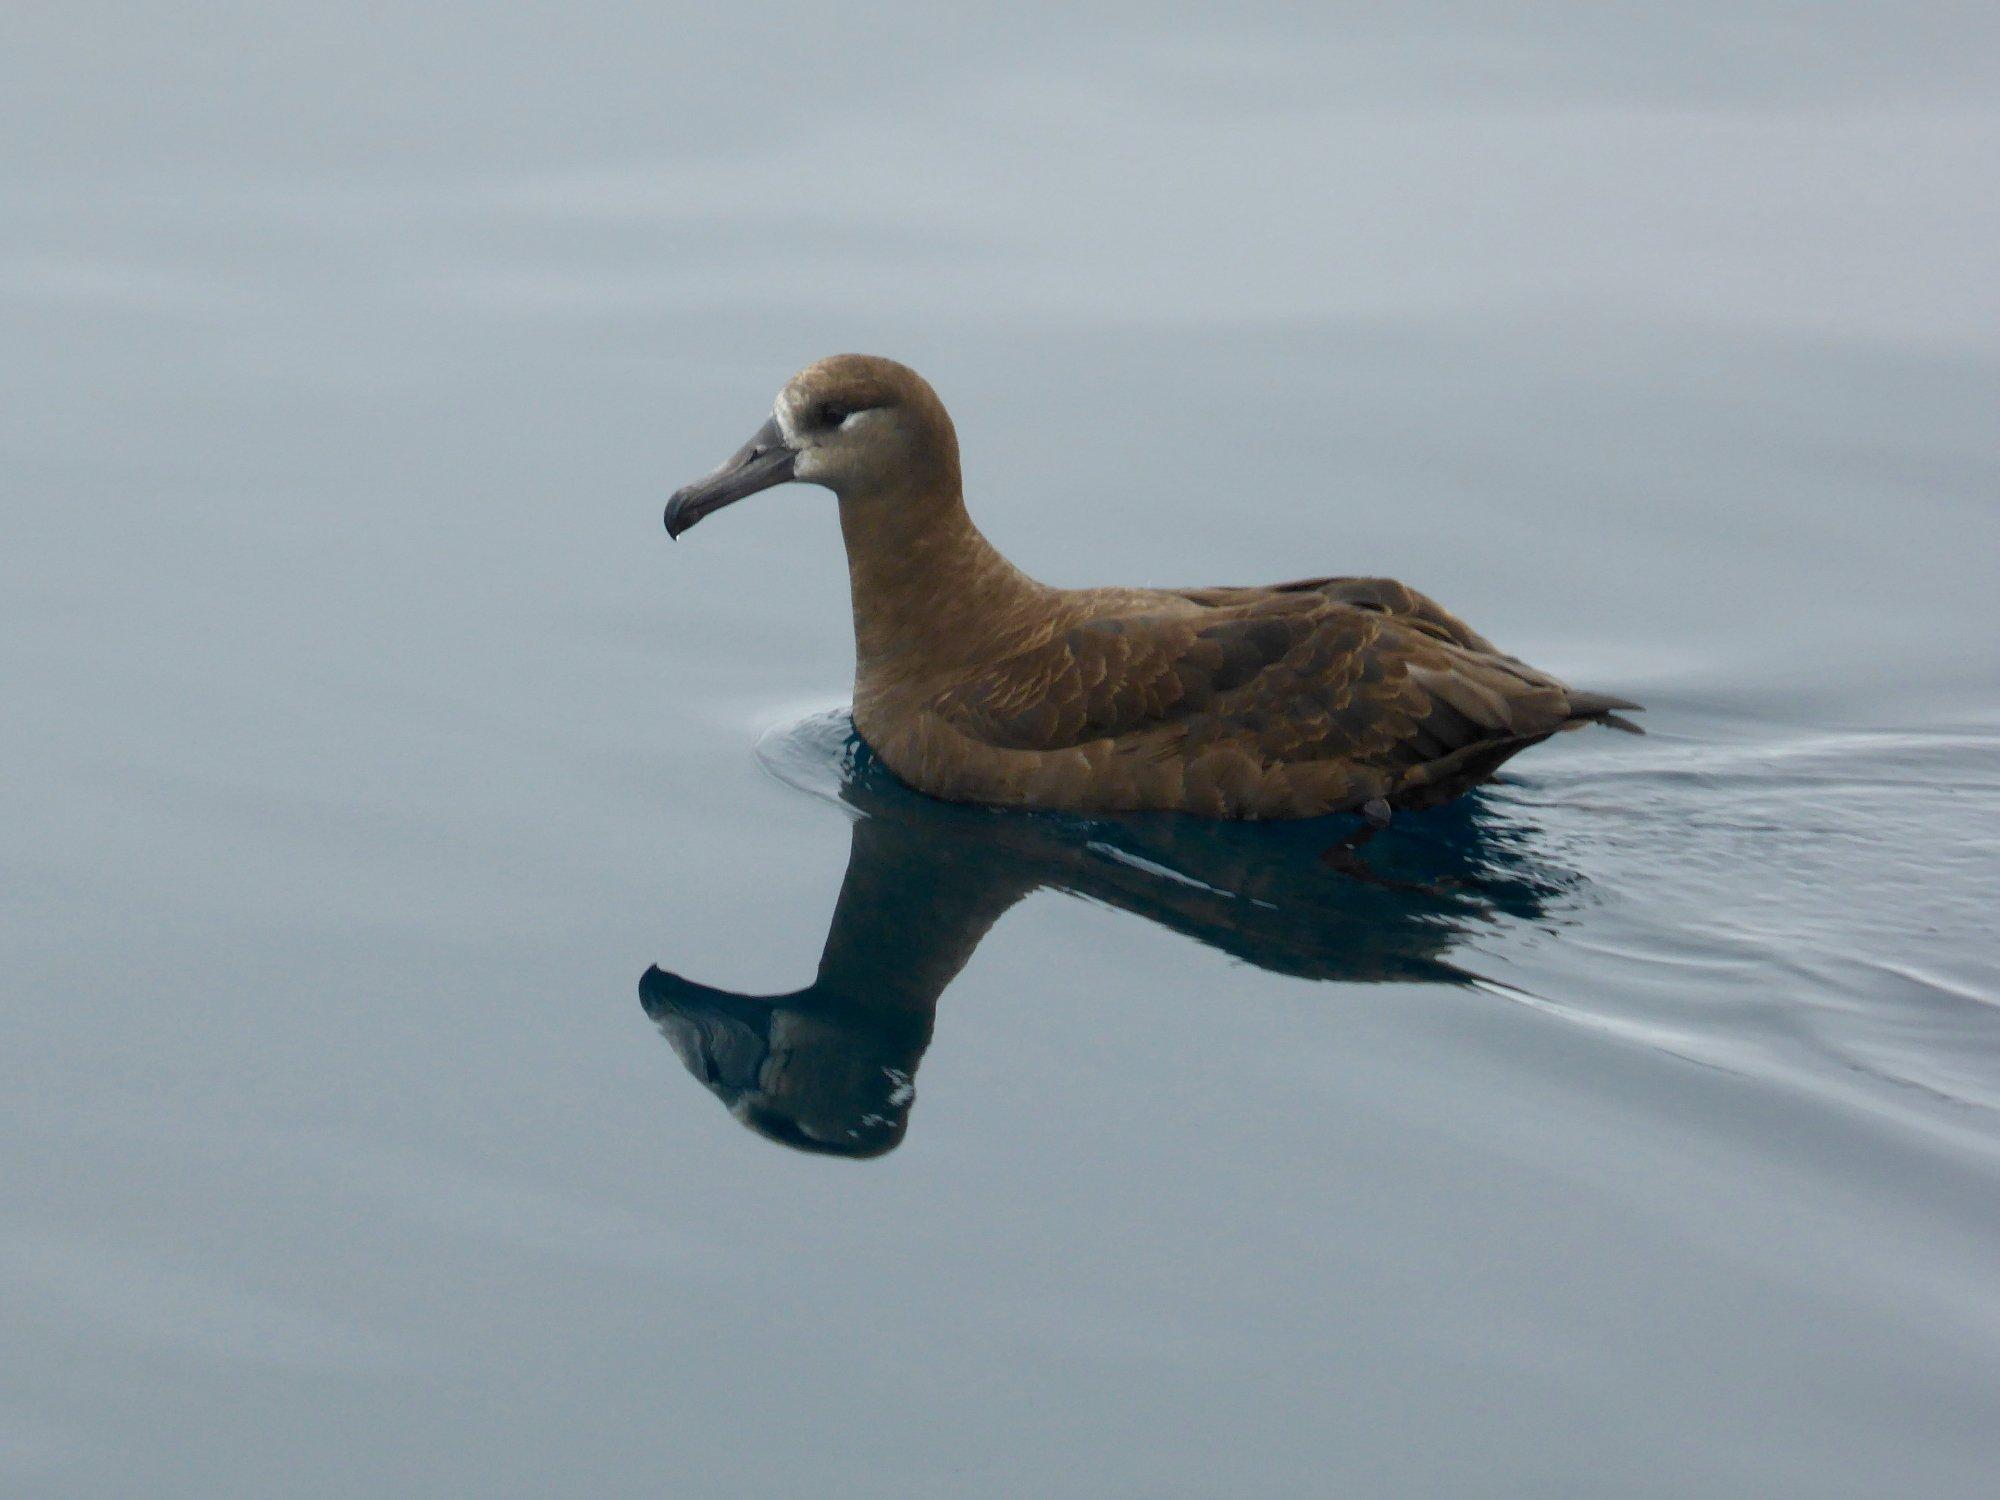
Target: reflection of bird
977, 684
831, 1067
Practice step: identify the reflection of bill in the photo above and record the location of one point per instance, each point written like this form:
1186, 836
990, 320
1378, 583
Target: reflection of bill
831, 1067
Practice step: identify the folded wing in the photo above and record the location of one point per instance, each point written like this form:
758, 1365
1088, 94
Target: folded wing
1361, 672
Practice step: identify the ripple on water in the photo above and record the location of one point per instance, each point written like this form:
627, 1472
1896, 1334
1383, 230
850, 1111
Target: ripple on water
1807, 906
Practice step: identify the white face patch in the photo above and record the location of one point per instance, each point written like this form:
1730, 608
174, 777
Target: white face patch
787, 423
807, 465
812, 442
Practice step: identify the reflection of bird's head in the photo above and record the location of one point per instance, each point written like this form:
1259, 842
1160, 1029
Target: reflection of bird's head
801, 1069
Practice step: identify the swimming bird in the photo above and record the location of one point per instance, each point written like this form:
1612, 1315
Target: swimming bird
975, 683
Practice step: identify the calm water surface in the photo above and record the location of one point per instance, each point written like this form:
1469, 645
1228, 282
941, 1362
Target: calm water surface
418, 874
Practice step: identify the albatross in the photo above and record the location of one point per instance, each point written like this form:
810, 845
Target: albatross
975, 683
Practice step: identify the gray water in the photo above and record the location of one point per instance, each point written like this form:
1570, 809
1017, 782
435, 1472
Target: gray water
367, 746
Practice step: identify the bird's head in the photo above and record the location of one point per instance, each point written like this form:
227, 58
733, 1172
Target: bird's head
864, 427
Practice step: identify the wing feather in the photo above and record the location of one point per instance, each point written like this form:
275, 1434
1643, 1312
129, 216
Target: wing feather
1362, 671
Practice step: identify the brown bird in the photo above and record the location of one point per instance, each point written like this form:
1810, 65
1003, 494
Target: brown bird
975, 683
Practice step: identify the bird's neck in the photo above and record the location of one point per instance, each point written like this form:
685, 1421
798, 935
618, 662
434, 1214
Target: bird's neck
910, 915
931, 594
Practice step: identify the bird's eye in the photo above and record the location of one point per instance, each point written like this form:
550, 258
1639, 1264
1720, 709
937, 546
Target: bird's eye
831, 415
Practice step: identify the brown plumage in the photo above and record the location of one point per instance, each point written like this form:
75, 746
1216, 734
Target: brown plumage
975, 683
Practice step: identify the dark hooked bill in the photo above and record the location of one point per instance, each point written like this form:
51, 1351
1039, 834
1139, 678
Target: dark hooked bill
757, 465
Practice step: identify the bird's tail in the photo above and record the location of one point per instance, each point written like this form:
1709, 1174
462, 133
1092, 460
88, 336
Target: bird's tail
1600, 708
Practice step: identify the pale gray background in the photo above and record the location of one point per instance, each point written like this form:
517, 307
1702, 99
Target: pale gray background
365, 739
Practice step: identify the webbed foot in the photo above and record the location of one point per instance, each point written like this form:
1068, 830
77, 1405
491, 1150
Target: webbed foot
1344, 855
